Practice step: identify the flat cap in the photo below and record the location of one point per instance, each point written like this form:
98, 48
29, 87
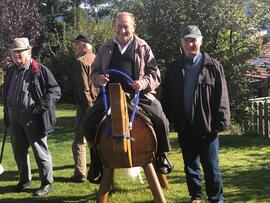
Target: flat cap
191, 31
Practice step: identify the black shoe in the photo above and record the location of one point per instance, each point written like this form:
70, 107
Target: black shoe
196, 200
43, 190
163, 164
78, 179
21, 186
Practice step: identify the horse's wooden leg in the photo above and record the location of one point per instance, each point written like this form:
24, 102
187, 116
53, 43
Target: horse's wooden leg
154, 184
105, 185
163, 181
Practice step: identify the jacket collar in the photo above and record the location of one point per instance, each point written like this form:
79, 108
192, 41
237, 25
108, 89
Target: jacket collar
138, 42
207, 61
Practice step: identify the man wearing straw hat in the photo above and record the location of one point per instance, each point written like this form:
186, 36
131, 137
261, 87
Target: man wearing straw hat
30, 94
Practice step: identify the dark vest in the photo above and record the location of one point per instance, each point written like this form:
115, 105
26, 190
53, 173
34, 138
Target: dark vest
124, 63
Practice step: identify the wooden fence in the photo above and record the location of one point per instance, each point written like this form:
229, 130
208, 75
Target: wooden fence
261, 115
1, 77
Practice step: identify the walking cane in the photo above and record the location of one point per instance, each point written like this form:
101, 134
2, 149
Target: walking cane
2, 151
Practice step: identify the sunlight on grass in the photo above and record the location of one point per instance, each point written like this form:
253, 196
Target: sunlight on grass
244, 161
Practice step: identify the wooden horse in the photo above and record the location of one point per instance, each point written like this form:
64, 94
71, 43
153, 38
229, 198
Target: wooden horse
127, 148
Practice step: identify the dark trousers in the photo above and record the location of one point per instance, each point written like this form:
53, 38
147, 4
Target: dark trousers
202, 151
160, 123
25, 132
153, 110
93, 118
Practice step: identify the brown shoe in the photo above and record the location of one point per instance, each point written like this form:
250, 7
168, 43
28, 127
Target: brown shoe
196, 201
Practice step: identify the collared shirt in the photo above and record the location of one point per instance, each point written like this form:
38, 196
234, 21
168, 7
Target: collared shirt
84, 53
18, 94
192, 68
122, 50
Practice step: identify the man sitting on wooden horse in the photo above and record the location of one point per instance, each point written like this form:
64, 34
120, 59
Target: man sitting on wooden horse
133, 56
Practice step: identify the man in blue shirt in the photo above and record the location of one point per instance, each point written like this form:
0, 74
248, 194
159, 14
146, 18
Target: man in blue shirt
195, 99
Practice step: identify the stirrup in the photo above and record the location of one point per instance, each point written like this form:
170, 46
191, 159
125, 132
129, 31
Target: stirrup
163, 164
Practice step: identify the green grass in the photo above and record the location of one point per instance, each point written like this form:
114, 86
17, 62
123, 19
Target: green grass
245, 164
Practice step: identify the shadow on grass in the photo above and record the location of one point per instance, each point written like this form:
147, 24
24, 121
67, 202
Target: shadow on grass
242, 142
64, 130
174, 141
233, 142
251, 183
53, 199
13, 176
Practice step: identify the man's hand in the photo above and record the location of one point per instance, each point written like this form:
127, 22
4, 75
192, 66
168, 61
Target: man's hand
136, 85
103, 79
37, 109
217, 131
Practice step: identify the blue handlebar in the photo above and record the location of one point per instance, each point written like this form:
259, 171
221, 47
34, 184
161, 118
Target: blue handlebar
126, 76
137, 95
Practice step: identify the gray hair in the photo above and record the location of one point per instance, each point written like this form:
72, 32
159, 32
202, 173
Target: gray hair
124, 13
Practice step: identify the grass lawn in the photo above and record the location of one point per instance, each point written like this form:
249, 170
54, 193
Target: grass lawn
245, 164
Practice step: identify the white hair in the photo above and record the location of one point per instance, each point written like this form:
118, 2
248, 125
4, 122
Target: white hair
200, 38
125, 13
88, 46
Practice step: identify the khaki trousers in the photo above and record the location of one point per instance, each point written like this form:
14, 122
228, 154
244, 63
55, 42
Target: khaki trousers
79, 145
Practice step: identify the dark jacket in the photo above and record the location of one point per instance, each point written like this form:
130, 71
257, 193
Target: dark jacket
44, 90
210, 107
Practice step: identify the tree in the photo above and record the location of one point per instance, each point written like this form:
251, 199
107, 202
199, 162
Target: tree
229, 35
19, 19
64, 20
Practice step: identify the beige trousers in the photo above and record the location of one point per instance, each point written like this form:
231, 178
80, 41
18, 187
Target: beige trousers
79, 145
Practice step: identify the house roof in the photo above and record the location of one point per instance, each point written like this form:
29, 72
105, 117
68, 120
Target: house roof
261, 64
